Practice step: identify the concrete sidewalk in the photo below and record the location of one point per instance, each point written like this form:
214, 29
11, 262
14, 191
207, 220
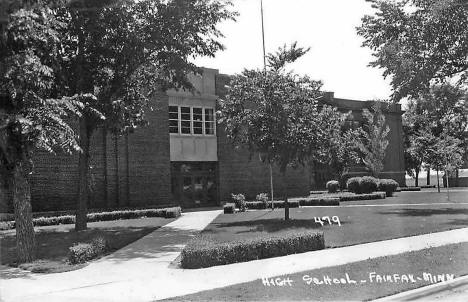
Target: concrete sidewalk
141, 271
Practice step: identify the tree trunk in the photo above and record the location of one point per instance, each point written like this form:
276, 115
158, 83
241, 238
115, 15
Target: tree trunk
25, 239
438, 185
428, 180
83, 190
416, 182
286, 203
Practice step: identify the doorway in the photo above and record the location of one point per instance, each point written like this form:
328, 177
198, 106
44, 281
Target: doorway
194, 184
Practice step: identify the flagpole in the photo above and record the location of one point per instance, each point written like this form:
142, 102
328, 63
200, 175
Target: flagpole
264, 69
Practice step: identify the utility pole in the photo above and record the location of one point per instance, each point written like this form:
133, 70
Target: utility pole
264, 69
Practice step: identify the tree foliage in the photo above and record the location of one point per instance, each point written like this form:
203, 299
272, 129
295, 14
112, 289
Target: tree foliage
274, 112
338, 149
418, 42
442, 111
125, 53
33, 110
373, 144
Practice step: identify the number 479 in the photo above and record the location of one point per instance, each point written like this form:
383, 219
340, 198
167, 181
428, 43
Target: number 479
334, 219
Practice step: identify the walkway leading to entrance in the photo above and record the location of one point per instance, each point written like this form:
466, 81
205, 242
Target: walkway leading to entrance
141, 271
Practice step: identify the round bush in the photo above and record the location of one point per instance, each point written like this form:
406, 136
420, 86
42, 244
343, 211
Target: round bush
368, 184
333, 186
388, 186
352, 185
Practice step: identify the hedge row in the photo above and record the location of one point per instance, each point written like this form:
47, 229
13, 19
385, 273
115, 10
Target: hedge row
259, 205
330, 201
102, 216
202, 252
370, 196
410, 189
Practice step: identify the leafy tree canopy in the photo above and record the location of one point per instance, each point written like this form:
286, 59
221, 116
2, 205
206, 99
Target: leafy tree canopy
418, 42
274, 112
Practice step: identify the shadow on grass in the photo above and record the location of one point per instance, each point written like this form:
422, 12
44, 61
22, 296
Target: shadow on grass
426, 212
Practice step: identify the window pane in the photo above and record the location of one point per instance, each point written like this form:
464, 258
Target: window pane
173, 109
197, 114
209, 114
209, 128
173, 126
185, 113
185, 125
173, 115
197, 128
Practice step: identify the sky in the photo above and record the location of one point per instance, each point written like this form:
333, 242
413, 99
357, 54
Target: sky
326, 26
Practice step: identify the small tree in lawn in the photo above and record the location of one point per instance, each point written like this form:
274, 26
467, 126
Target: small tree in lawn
374, 139
339, 149
441, 152
32, 110
274, 113
127, 52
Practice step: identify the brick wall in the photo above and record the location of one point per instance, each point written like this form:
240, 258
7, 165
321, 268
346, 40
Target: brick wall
131, 171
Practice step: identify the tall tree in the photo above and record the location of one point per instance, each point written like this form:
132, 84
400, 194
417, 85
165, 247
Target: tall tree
418, 42
33, 110
127, 52
338, 149
374, 143
274, 112
442, 109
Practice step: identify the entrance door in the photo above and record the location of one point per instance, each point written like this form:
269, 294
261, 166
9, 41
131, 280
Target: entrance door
194, 183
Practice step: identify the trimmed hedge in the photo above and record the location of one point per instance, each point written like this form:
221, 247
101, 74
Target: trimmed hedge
330, 201
388, 186
204, 252
368, 184
229, 208
332, 186
370, 196
410, 189
352, 185
82, 252
105, 216
260, 205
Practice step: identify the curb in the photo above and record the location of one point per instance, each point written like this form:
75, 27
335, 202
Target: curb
422, 292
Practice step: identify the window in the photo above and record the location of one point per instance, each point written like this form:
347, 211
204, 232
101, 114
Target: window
173, 119
185, 120
191, 120
209, 121
197, 121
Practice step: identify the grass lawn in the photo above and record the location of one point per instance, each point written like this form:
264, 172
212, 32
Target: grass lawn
450, 259
360, 223
53, 241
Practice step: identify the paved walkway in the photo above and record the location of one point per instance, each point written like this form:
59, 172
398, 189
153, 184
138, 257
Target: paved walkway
141, 271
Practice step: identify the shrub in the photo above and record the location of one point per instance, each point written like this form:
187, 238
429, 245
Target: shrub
103, 216
82, 252
368, 184
263, 197
204, 252
256, 205
370, 196
6, 225
239, 200
329, 201
173, 212
352, 184
229, 208
388, 186
333, 186
280, 203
